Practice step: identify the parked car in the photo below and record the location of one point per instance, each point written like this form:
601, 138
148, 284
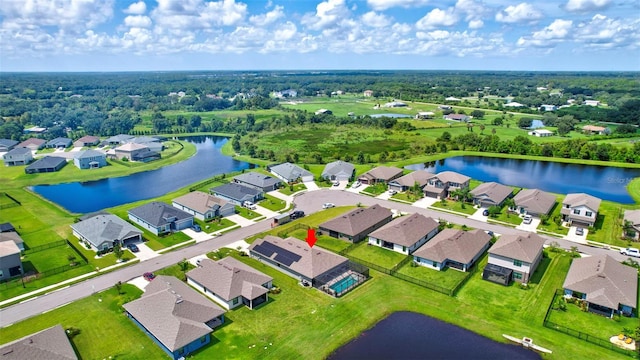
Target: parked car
485, 212
297, 214
579, 231
392, 192
357, 184
148, 276
630, 252
197, 228
133, 248
336, 183
490, 233
527, 219
249, 205
328, 205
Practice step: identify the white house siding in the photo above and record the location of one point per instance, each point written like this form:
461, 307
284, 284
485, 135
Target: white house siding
582, 217
144, 224
427, 263
220, 301
505, 262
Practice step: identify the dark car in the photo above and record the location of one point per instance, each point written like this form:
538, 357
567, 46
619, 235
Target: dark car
297, 214
148, 276
485, 212
133, 248
197, 228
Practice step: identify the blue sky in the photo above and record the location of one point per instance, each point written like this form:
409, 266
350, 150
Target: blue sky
132, 35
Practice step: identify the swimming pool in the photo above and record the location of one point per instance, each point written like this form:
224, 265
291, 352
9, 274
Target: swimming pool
344, 284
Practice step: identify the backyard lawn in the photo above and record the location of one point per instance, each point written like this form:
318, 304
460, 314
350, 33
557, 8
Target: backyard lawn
289, 190
324, 241
447, 278
377, 255
455, 206
246, 213
272, 203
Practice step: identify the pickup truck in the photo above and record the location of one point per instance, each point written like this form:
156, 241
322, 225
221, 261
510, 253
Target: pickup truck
630, 252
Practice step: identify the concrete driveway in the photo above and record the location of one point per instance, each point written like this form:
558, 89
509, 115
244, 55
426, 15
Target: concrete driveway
425, 202
478, 215
266, 212
572, 236
530, 227
384, 196
197, 236
342, 186
240, 220
311, 185
145, 252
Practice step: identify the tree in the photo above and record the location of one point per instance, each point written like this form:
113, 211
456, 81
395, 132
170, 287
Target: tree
626, 129
494, 211
497, 121
509, 204
360, 157
482, 127
525, 123
563, 128
544, 219
493, 131
446, 136
184, 266
117, 251
118, 287
477, 114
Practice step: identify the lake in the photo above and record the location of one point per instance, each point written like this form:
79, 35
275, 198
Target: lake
607, 183
407, 335
84, 197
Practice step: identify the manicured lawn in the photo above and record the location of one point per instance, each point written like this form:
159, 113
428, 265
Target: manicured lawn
375, 189
288, 190
246, 213
407, 196
377, 255
164, 241
175, 270
447, 278
508, 217
14, 287
608, 226
214, 225
48, 259
551, 226
324, 241
455, 206
272, 203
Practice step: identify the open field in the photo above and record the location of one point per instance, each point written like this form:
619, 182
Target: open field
376, 255
447, 278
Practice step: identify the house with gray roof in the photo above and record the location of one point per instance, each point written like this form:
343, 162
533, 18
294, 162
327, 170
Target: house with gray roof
514, 257
533, 202
87, 140
380, 174
405, 234
491, 194
60, 142
176, 317
160, 218
230, 282
456, 249
580, 209
608, 286
7, 144
258, 181
633, 219
34, 144
237, 194
355, 225
10, 262
204, 206
289, 172
442, 184
17, 156
12, 236
406, 182
104, 231
90, 159
46, 164
50, 344
118, 139
136, 152
7, 227
339, 170
153, 143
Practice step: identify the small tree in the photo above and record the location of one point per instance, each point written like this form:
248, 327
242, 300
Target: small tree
184, 266
118, 287
494, 211
544, 219
117, 251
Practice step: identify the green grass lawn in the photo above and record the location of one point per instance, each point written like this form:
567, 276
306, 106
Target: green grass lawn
406, 196
272, 203
508, 217
289, 190
165, 241
377, 255
214, 225
455, 206
608, 226
14, 287
324, 241
48, 259
447, 278
375, 189
246, 213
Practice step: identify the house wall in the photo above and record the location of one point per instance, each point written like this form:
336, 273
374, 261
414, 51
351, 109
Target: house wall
227, 210
148, 226
525, 270
407, 250
428, 263
189, 210
7, 262
14, 160
83, 163
184, 224
101, 246
581, 217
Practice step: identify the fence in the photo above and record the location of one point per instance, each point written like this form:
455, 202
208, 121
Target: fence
285, 233
14, 202
44, 247
216, 179
605, 343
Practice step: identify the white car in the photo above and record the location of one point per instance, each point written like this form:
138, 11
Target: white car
328, 205
527, 219
630, 252
392, 192
357, 184
249, 205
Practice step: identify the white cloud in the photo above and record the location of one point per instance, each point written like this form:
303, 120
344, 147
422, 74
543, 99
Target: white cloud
476, 24
328, 14
459, 44
137, 8
285, 31
380, 5
604, 32
70, 15
268, 18
139, 21
558, 31
374, 19
586, 5
196, 14
436, 18
522, 12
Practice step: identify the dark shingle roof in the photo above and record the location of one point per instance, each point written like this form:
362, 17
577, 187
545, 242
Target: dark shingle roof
89, 153
47, 344
456, 245
18, 151
59, 141
158, 213
106, 227
236, 191
8, 143
47, 162
257, 179
290, 171
358, 220
519, 247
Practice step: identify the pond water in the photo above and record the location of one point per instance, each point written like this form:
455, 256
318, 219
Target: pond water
607, 183
536, 124
84, 197
390, 115
406, 335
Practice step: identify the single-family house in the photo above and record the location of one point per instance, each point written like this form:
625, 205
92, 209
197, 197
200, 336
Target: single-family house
357, 224
10, 263
444, 107
237, 193
424, 115
580, 209
632, 218
541, 133
46, 164
289, 172
136, 152
230, 282
593, 129
7, 144
394, 104
444, 183
591, 103
160, 218
339, 170
608, 286
33, 144
12, 236
405, 234
452, 98
514, 257
118, 139
546, 107
457, 117
153, 143
513, 104
204, 206
59, 143
491, 194
258, 181
105, 231
87, 140
533, 202
17, 156
90, 159
176, 317
50, 344
35, 130
453, 248
406, 182
368, 93
380, 174
323, 112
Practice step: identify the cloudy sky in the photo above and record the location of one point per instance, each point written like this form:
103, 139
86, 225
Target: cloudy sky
131, 35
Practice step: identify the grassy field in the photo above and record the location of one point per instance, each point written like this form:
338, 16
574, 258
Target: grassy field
214, 225
272, 203
456, 206
324, 241
447, 278
376, 255
289, 190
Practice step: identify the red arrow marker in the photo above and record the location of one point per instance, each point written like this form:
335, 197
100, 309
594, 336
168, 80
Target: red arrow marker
311, 237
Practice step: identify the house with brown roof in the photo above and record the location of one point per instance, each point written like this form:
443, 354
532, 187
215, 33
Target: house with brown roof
357, 224
368, 93
491, 194
514, 257
33, 144
608, 287
633, 217
135, 152
406, 182
405, 234
175, 316
442, 184
380, 174
533, 202
453, 248
592, 129
580, 209
204, 206
87, 140
50, 344
230, 282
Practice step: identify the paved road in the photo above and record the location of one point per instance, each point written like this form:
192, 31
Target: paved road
310, 202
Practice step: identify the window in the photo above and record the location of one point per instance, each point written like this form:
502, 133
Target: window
567, 206
517, 262
203, 340
576, 211
435, 263
517, 276
404, 248
588, 213
377, 241
235, 301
